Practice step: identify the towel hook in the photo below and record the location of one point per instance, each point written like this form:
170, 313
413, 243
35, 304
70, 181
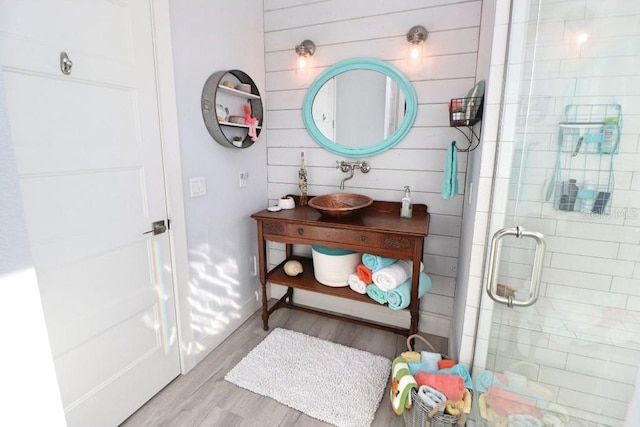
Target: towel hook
472, 135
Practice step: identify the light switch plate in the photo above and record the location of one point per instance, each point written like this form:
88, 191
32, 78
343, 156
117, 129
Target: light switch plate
244, 178
197, 186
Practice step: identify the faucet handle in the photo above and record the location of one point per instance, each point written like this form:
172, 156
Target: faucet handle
343, 166
364, 167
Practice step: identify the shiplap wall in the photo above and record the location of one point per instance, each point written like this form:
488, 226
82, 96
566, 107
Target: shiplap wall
362, 28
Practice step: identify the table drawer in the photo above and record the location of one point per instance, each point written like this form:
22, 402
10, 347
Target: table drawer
351, 237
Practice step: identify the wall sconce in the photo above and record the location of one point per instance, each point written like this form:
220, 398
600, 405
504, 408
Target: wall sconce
305, 51
416, 37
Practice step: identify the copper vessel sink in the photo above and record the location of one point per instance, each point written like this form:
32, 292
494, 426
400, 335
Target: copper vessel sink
340, 205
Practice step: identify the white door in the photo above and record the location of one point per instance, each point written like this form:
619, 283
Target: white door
89, 161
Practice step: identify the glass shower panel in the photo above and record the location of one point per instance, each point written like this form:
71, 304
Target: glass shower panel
571, 128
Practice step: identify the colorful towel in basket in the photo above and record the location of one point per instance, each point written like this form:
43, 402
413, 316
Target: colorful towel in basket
451, 385
461, 371
431, 397
401, 385
375, 262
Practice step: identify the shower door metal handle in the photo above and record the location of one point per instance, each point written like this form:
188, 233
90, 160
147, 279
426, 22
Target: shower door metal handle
536, 275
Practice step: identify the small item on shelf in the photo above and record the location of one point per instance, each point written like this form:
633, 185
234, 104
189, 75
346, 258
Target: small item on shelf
587, 196
252, 122
238, 120
406, 210
221, 112
569, 195
237, 141
610, 134
292, 268
287, 202
302, 181
601, 202
228, 84
244, 87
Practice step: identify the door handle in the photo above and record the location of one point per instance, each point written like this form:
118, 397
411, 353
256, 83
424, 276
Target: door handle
157, 227
536, 275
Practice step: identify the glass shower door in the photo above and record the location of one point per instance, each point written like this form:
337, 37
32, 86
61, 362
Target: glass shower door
563, 276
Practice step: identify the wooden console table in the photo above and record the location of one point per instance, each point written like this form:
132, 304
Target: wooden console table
377, 230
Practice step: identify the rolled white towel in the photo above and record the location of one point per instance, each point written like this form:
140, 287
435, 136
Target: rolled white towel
356, 284
390, 277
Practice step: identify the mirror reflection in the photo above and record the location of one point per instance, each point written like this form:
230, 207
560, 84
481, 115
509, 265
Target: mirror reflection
358, 108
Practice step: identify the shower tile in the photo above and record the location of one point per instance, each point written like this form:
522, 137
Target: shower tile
598, 298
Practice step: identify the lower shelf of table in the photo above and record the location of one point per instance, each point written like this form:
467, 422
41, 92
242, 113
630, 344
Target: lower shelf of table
307, 282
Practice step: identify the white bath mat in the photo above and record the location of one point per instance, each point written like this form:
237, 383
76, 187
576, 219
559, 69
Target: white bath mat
327, 381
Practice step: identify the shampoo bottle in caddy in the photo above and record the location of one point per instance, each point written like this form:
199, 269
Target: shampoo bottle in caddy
406, 209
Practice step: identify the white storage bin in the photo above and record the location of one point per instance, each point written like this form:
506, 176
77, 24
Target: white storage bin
332, 266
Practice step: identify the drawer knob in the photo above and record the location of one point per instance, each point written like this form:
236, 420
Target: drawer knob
363, 238
300, 231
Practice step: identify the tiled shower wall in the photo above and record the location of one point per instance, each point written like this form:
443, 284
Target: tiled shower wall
582, 335
361, 28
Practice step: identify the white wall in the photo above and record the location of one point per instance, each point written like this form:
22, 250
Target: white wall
468, 280
221, 237
361, 28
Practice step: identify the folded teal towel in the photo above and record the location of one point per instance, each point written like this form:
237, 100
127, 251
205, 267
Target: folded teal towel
460, 370
415, 367
376, 294
375, 262
450, 180
400, 296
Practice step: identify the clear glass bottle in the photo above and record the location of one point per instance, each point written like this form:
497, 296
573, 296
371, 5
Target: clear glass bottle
302, 181
406, 209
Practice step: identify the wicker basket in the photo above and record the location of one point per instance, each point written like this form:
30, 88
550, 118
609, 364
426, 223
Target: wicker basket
421, 415
421, 338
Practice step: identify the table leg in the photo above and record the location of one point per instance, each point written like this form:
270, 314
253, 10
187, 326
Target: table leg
414, 306
262, 266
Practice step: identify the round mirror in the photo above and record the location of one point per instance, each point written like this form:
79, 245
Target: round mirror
359, 107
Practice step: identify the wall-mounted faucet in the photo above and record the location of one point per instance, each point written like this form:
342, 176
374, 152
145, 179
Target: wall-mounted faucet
351, 167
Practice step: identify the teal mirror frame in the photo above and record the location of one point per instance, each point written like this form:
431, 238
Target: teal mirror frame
411, 103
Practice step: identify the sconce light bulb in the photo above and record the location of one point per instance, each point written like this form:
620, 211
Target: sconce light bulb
414, 51
582, 37
302, 62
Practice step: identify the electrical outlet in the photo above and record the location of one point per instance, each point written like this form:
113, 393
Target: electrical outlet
197, 186
253, 265
244, 178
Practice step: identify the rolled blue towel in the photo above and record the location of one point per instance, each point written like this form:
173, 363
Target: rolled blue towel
376, 294
375, 262
459, 370
400, 297
431, 397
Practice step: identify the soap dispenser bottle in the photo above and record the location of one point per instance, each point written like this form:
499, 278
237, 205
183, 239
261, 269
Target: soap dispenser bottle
406, 209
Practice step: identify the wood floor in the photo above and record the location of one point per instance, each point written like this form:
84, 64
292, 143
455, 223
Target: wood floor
202, 398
